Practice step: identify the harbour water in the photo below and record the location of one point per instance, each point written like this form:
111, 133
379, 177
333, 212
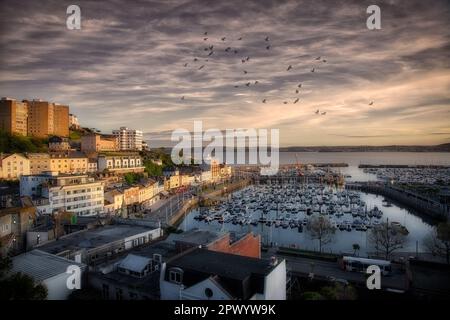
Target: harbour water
343, 240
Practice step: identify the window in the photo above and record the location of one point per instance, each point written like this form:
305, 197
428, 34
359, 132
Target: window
176, 275
105, 291
119, 294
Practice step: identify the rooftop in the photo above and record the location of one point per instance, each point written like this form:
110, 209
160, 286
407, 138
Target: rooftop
196, 236
93, 238
41, 265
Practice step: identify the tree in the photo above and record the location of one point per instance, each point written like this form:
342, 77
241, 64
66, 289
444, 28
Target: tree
356, 247
439, 241
321, 229
386, 238
152, 168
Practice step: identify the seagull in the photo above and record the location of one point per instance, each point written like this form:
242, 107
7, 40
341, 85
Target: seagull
240, 38
201, 67
210, 53
211, 47
296, 91
300, 85
243, 60
235, 51
324, 113
227, 49
248, 84
312, 70
185, 64
324, 60
248, 58
267, 39
205, 34
371, 103
245, 72
223, 39
182, 98
256, 82
318, 58
236, 86
264, 101
317, 111
195, 59
296, 100
268, 47
285, 102
289, 68
204, 39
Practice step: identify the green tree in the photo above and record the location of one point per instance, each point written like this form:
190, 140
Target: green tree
152, 168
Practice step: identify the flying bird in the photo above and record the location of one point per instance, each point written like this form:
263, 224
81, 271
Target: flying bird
318, 58
312, 70
248, 58
296, 100
195, 59
245, 72
324, 60
210, 53
248, 84
268, 47
235, 51
289, 68
256, 82
182, 98
324, 113
267, 39
228, 49
204, 39
223, 39
264, 101
201, 67
317, 111
240, 38
300, 85
236, 86
296, 91
285, 102
205, 34
371, 103
185, 64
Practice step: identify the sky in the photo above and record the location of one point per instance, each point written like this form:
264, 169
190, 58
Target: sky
126, 67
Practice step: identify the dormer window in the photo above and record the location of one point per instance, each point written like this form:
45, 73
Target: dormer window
176, 275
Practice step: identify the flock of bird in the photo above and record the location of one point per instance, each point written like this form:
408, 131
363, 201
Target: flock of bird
210, 50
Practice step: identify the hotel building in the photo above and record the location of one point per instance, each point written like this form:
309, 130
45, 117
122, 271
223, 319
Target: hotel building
53, 192
13, 166
129, 139
120, 163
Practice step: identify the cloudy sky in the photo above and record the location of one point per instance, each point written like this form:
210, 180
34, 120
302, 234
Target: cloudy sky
126, 66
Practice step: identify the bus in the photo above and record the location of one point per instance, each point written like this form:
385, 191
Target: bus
361, 264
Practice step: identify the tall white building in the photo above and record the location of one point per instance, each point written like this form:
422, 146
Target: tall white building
51, 192
129, 139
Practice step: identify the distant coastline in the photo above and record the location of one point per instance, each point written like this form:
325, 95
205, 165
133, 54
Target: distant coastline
394, 148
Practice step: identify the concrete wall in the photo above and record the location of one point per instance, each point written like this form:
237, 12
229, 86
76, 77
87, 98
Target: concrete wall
275, 283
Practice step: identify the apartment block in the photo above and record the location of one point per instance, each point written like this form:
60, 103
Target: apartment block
61, 120
52, 192
129, 139
13, 116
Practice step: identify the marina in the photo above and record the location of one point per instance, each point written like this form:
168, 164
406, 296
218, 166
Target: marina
280, 214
